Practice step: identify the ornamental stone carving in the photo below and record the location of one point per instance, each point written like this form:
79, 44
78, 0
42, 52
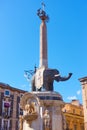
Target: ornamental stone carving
30, 108
46, 118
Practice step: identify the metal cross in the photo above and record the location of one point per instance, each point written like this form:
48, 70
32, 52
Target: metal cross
43, 6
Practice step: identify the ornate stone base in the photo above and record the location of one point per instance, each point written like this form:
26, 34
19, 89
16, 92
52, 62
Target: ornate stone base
42, 111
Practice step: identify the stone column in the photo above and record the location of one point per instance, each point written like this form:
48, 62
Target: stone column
41, 114
84, 96
57, 121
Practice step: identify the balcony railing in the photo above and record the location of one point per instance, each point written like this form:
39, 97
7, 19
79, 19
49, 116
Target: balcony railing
5, 128
6, 114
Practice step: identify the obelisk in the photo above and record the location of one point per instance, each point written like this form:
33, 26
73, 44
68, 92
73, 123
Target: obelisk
43, 61
45, 76
43, 45
43, 38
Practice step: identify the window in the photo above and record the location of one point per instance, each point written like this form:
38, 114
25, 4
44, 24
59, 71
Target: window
6, 109
67, 126
21, 95
75, 127
73, 111
82, 127
20, 111
5, 124
7, 93
81, 113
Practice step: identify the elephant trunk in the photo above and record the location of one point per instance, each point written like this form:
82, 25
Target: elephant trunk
59, 78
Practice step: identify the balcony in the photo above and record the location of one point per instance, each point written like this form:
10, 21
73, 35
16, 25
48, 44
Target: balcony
5, 128
6, 114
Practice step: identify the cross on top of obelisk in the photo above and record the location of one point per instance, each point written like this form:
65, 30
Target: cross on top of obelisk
42, 14
43, 6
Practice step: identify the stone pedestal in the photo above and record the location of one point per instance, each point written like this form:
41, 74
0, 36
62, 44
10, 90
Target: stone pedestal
42, 111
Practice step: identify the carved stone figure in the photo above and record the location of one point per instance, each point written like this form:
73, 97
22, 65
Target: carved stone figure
30, 108
46, 118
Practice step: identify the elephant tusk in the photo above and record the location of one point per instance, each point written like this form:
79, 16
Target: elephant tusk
57, 75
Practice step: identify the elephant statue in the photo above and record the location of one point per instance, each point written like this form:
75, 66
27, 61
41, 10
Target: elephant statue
53, 74
49, 75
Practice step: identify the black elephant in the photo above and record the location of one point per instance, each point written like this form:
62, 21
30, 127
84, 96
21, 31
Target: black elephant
49, 75
53, 74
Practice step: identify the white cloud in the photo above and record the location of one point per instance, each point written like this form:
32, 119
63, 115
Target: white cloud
24, 86
78, 92
71, 97
74, 97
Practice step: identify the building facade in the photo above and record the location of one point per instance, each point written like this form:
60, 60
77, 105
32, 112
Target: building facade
10, 110
9, 107
73, 115
84, 96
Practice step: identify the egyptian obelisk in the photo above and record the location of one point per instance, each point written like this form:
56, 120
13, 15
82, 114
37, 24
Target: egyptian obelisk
43, 43
43, 60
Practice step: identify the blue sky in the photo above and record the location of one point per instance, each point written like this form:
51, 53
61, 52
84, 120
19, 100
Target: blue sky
67, 42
